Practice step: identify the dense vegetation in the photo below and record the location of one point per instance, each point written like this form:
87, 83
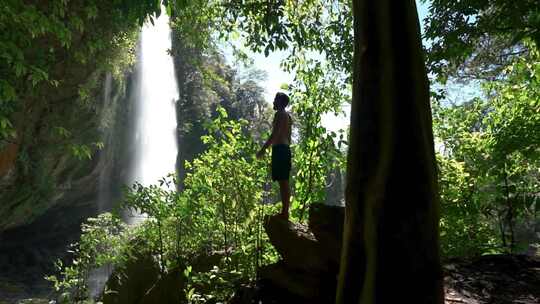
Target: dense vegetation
206, 82
486, 147
489, 161
53, 55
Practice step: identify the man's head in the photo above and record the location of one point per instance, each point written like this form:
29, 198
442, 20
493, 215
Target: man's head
281, 101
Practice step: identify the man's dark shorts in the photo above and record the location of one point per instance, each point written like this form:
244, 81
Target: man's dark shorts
281, 162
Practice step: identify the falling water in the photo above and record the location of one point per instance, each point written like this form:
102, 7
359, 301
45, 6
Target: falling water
104, 189
155, 141
155, 133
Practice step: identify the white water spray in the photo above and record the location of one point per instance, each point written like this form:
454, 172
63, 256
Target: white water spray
155, 134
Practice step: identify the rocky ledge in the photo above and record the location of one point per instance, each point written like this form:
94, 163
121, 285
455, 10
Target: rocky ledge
309, 264
308, 268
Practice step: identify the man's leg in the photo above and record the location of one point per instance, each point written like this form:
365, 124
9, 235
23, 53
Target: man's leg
285, 197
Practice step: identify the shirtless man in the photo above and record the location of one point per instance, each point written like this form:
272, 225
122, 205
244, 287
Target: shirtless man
280, 139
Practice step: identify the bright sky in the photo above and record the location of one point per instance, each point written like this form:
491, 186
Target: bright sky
277, 77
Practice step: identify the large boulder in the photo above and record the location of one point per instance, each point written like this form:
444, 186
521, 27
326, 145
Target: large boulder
169, 289
296, 244
314, 248
310, 256
141, 282
299, 283
327, 220
326, 223
205, 261
128, 284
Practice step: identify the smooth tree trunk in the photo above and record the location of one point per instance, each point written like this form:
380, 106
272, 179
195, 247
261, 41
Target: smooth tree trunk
390, 247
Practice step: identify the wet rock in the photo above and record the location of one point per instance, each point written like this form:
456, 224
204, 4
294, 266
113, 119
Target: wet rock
246, 293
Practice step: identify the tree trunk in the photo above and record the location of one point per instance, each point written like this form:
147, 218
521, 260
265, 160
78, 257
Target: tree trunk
391, 198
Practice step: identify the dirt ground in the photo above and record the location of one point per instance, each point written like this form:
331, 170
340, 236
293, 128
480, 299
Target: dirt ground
493, 279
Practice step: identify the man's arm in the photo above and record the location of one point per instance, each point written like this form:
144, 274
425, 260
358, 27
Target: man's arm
278, 128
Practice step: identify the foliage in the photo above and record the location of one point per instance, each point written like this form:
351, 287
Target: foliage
324, 27
219, 280
55, 59
465, 230
219, 210
218, 213
315, 91
195, 22
43, 34
476, 38
489, 162
206, 82
103, 243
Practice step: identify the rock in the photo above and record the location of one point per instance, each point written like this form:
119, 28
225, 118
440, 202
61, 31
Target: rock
206, 261
326, 223
169, 289
41, 212
299, 283
246, 293
140, 281
296, 244
309, 267
130, 283
327, 219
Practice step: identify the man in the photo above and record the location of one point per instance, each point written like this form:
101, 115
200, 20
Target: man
280, 139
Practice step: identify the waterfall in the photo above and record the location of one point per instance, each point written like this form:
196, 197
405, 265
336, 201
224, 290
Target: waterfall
155, 132
156, 122
104, 195
98, 277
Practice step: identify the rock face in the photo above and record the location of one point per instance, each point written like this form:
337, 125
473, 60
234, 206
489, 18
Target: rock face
37, 224
307, 272
51, 171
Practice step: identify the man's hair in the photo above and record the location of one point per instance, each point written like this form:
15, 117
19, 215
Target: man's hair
282, 99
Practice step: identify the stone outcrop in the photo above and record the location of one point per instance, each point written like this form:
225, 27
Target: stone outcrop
140, 281
309, 265
297, 245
